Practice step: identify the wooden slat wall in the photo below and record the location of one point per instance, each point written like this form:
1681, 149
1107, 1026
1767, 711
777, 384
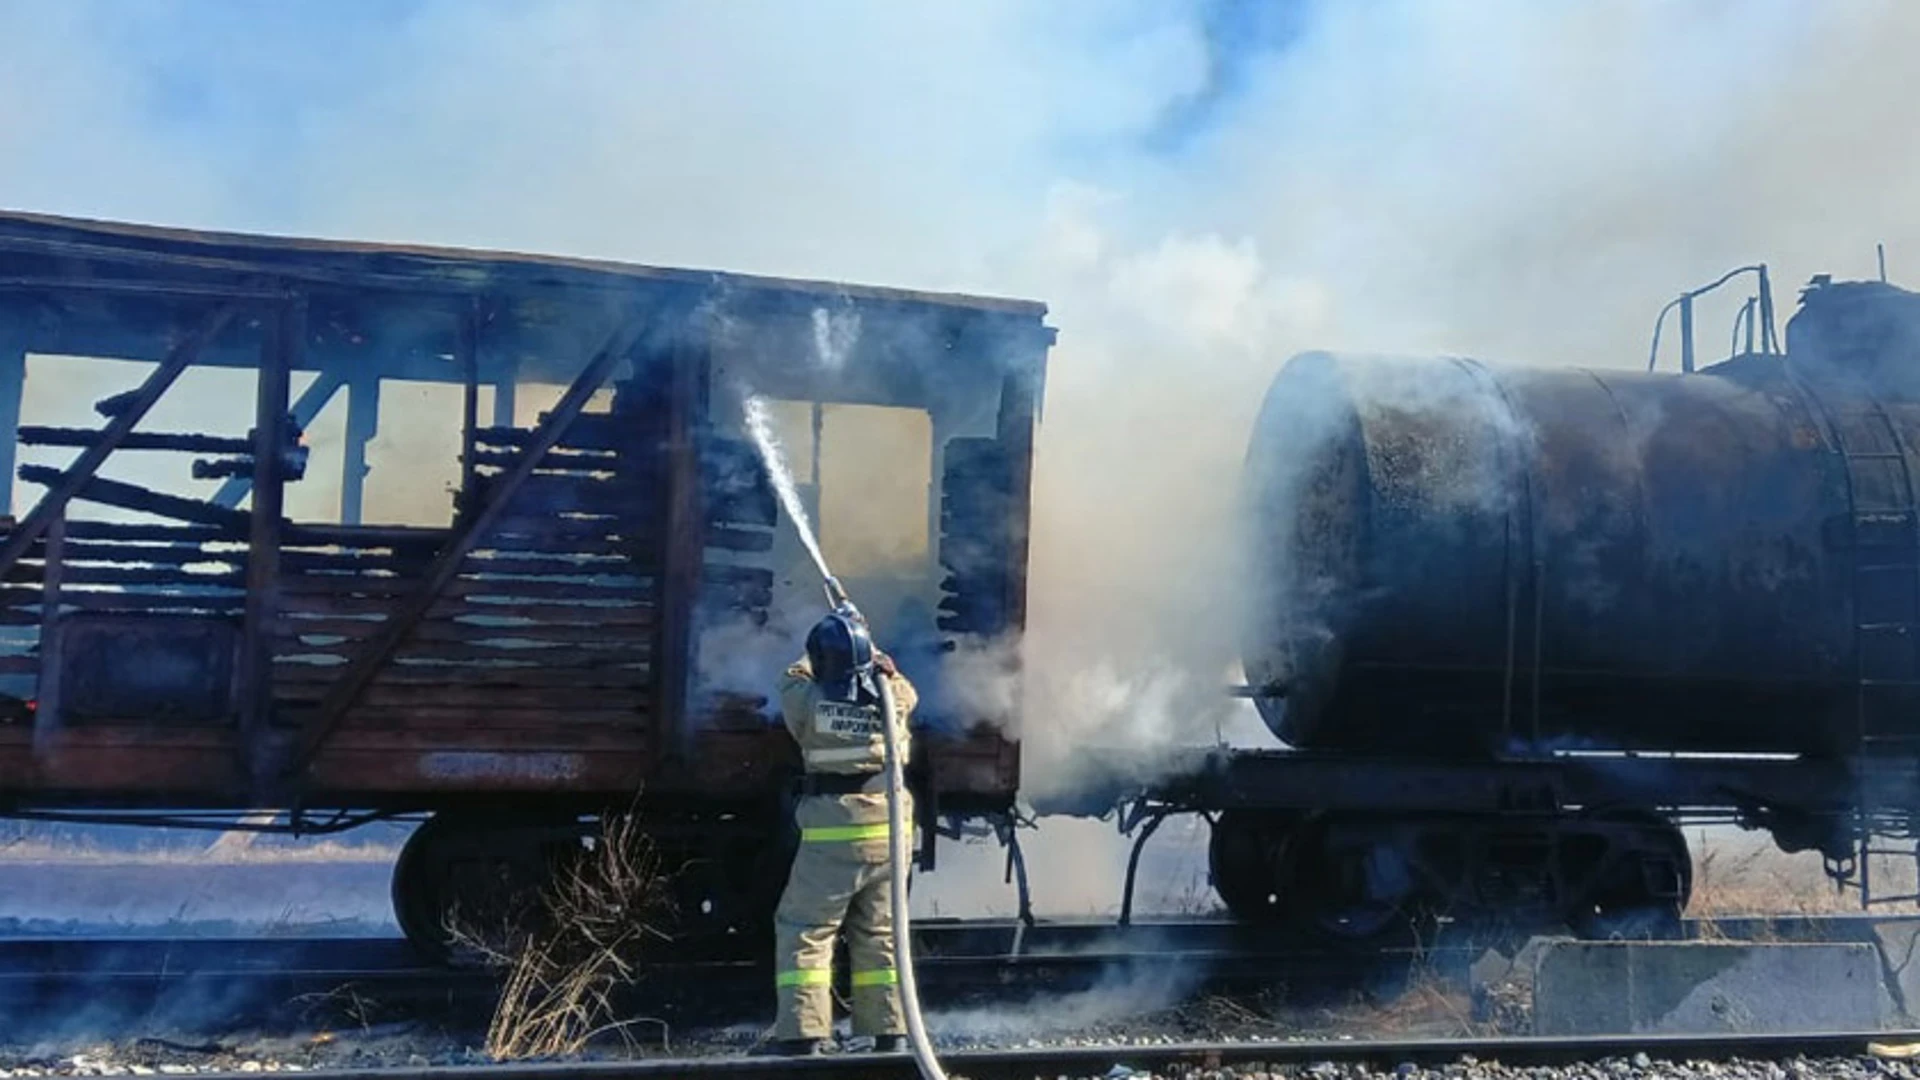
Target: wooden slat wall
118, 569
548, 624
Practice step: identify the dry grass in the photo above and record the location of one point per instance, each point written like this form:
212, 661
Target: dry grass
590, 928
1768, 882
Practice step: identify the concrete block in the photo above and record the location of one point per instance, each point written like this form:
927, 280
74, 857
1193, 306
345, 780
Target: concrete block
1899, 943
1631, 987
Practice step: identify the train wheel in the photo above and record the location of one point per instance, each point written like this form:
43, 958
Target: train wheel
1632, 878
1357, 889
475, 875
727, 871
1243, 865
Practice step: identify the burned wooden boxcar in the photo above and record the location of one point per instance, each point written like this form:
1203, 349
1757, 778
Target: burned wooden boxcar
583, 600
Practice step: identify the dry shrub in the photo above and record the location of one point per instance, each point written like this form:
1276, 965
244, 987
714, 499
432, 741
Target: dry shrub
585, 941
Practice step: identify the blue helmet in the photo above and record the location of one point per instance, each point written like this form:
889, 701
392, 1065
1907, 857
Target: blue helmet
841, 654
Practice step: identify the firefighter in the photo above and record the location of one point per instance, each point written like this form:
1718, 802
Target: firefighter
831, 703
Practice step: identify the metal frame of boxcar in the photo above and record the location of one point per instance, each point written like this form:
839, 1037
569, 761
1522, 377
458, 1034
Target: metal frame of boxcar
357, 313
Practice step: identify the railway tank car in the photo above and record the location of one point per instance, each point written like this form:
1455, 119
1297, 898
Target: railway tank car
1464, 559
1517, 625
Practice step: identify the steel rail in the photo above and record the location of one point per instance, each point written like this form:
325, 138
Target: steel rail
1028, 1064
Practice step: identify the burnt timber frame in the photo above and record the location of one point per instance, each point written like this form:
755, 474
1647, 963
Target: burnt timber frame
277, 356
380, 647
54, 502
353, 316
305, 408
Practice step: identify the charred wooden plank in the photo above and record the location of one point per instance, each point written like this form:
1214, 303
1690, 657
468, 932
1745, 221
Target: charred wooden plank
149, 554
456, 631
394, 537
554, 528
297, 674
278, 354
85, 466
378, 650
483, 699
52, 651
299, 561
532, 718
683, 509
599, 614
622, 615
532, 563
164, 576
558, 459
582, 436
460, 649
466, 353
544, 493
133, 497
133, 602
462, 622
722, 537
505, 589
563, 564
186, 442
160, 576
123, 531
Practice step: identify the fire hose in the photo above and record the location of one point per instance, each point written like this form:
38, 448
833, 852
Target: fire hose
899, 861
899, 833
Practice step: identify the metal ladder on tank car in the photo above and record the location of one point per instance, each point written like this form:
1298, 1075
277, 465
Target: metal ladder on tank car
1884, 534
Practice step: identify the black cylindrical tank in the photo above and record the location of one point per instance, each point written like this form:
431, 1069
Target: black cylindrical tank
1454, 558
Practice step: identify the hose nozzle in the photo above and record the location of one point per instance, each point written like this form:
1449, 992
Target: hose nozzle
841, 603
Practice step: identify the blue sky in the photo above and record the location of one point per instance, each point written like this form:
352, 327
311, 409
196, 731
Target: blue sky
289, 116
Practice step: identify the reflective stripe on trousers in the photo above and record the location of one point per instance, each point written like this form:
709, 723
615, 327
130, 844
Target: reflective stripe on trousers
835, 886
845, 833
823, 977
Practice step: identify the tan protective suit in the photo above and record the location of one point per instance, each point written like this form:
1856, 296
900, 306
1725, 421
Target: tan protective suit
840, 871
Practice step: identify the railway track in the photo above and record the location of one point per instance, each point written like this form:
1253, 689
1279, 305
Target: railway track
215, 983
1194, 1059
266, 981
